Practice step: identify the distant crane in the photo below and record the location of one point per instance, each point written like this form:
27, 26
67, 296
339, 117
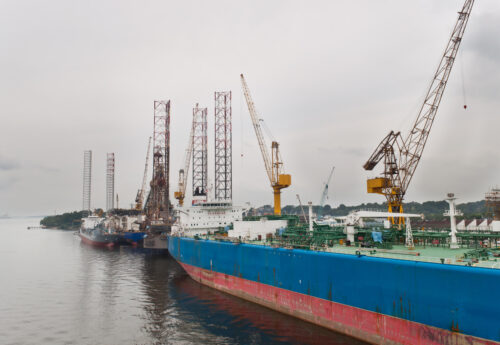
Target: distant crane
139, 199
273, 163
183, 173
401, 157
301, 208
324, 195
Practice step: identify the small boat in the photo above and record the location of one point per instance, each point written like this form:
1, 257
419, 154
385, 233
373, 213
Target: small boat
94, 232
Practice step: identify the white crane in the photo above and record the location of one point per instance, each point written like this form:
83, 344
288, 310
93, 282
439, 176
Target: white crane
324, 195
139, 199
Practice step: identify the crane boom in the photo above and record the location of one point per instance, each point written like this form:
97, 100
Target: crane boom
302, 208
273, 162
139, 200
415, 142
324, 195
401, 157
183, 173
258, 129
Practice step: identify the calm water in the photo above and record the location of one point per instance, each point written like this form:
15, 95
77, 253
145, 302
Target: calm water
55, 290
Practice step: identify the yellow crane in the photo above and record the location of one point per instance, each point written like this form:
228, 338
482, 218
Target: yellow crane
183, 173
272, 162
139, 199
401, 156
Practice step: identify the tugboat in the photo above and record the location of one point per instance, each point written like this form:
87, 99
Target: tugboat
94, 232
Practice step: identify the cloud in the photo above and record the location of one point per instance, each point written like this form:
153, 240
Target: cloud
8, 164
330, 80
7, 182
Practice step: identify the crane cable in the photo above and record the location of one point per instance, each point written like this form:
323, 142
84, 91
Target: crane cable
463, 78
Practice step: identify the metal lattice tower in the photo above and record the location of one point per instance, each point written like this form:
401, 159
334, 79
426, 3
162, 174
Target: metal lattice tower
158, 202
223, 146
200, 171
110, 181
87, 179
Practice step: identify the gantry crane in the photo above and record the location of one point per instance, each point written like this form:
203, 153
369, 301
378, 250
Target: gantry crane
139, 199
324, 195
401, 156
273, 163
183, 173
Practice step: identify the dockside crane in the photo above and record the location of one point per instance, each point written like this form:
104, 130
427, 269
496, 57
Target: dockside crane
302, 208
139, 199
272, 162
183, 173
324, 196
401, 156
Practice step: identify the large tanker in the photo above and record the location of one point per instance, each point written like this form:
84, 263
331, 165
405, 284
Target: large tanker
379, 300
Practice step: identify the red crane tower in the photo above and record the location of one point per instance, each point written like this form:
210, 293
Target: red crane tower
158, 204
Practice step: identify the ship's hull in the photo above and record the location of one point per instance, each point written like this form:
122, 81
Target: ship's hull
155, 243
381, 301
131, 237
99, 240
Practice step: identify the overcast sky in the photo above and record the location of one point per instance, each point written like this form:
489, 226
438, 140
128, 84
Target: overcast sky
329, 78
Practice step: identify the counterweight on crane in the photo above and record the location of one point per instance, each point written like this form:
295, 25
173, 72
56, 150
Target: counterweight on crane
183, 173
139, 199
273, 163
401, 156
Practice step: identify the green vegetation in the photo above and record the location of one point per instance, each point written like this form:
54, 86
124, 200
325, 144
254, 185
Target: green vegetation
432, 210
65, 221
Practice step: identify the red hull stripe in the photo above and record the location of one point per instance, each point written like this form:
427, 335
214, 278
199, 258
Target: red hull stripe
95, 243
359, 323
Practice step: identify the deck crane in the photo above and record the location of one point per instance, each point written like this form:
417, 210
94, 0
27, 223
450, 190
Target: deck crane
301, 208
401, 156
324, 195
183, 173
273, 163
139, 199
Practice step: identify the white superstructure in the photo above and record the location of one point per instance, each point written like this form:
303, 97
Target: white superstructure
256, 229
203, 217
91, 222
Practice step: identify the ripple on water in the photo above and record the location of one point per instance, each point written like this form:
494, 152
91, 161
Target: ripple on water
60, 291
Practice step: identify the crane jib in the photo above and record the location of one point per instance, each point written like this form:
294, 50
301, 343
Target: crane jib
401, 157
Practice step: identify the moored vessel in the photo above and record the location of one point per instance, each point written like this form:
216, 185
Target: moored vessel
385, 295
94, 232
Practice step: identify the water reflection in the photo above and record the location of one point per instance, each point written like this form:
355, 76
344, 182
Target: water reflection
157, 302
56, 290
181, 309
